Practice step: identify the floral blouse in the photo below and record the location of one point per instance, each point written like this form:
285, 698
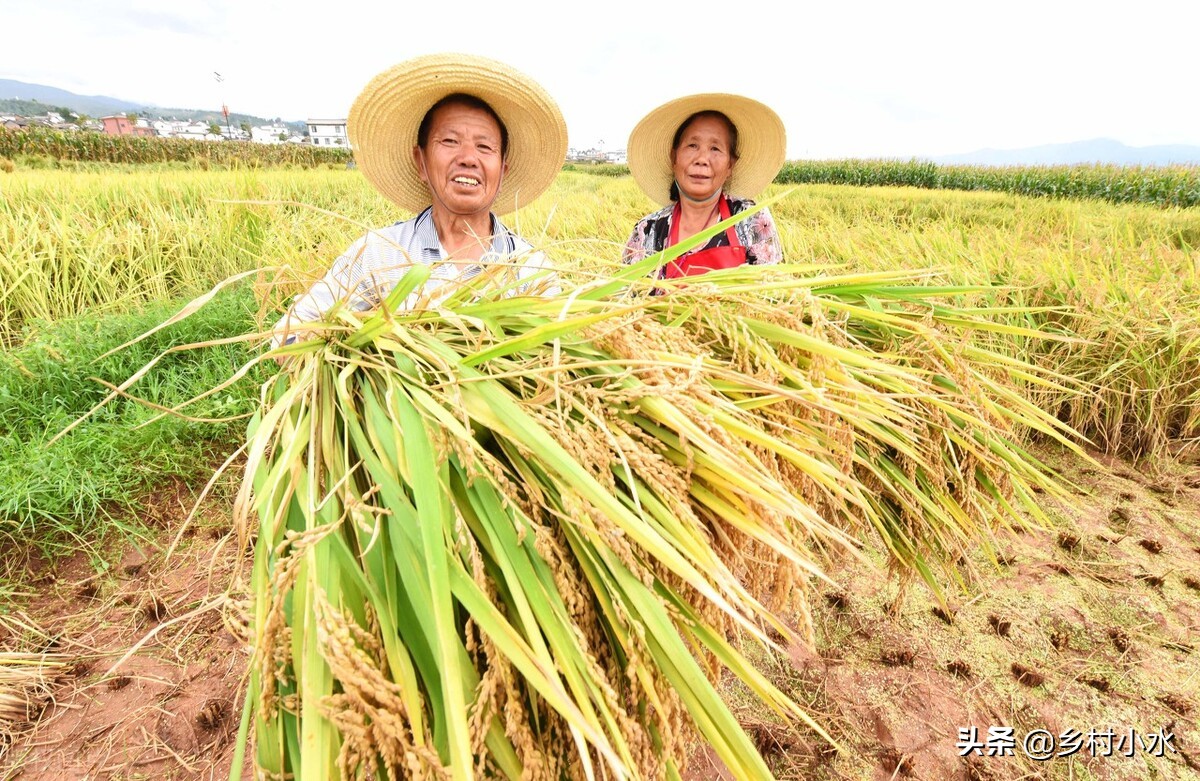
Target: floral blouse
756, 233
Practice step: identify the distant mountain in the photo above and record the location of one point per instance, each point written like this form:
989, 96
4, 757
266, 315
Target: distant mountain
1097, 150
18, 94
94, 105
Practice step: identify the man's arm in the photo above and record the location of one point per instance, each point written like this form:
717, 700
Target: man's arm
343, 282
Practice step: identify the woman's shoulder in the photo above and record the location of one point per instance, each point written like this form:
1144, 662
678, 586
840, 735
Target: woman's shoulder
661, 214
738, 204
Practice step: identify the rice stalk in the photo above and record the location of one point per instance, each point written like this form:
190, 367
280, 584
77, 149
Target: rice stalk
26, 682
520, 537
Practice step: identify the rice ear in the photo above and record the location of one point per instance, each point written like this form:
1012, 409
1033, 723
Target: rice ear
513, 536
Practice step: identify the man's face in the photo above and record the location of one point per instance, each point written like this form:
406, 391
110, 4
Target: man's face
461, 161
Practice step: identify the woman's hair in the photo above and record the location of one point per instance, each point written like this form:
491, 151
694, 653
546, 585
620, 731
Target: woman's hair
707, 114
461, 99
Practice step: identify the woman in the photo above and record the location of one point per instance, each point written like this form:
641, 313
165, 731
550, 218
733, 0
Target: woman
703, 157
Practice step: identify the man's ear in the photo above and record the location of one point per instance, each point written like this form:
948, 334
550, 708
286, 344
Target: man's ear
419, 161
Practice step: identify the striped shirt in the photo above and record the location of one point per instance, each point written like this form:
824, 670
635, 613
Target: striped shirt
363, 275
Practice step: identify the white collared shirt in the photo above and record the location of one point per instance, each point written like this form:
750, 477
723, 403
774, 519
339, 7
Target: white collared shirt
363, 275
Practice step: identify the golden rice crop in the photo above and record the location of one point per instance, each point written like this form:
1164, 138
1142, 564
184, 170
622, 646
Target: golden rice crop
25, 682
76, 243
511, 536
1123, 279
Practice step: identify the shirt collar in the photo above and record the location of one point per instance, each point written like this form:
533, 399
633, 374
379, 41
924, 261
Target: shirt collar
427, 237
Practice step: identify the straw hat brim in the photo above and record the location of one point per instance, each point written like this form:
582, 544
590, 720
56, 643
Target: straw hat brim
762, 144
386, 115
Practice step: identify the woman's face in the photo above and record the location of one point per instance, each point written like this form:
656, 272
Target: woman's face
702, 161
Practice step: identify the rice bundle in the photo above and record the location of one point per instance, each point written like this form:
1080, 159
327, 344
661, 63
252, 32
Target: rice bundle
26, 680
521, 537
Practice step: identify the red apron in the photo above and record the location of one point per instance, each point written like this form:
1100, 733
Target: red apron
702, 262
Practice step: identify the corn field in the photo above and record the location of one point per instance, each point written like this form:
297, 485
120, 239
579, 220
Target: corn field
1160, 186
1156, 185
104, 148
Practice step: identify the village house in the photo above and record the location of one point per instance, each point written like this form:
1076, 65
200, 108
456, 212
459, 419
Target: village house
232, 132
269, 134
196, 131
328, 132
119, 125
20, 123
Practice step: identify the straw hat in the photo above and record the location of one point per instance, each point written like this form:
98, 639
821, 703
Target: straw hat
762, 144
385, 117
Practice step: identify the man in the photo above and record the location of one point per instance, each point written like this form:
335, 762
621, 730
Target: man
457, 139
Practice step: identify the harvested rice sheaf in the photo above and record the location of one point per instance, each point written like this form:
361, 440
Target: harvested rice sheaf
517, 536
26, 680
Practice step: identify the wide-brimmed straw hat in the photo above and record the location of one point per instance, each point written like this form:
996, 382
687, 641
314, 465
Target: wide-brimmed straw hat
385, 117
762, 144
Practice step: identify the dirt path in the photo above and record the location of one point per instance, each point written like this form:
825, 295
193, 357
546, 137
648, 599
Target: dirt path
1092, 626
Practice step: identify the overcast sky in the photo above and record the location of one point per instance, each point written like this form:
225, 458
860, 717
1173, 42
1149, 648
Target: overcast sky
849, 79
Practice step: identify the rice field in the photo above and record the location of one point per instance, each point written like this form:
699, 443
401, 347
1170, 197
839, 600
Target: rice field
604, 486
1124, 280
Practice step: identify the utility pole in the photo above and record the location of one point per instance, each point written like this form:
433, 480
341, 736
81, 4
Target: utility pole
224, 109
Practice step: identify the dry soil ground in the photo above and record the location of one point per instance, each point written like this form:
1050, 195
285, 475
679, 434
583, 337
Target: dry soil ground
1085, 628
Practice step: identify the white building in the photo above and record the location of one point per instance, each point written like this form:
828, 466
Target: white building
328, 132
233, 133
268, 134
196, 131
